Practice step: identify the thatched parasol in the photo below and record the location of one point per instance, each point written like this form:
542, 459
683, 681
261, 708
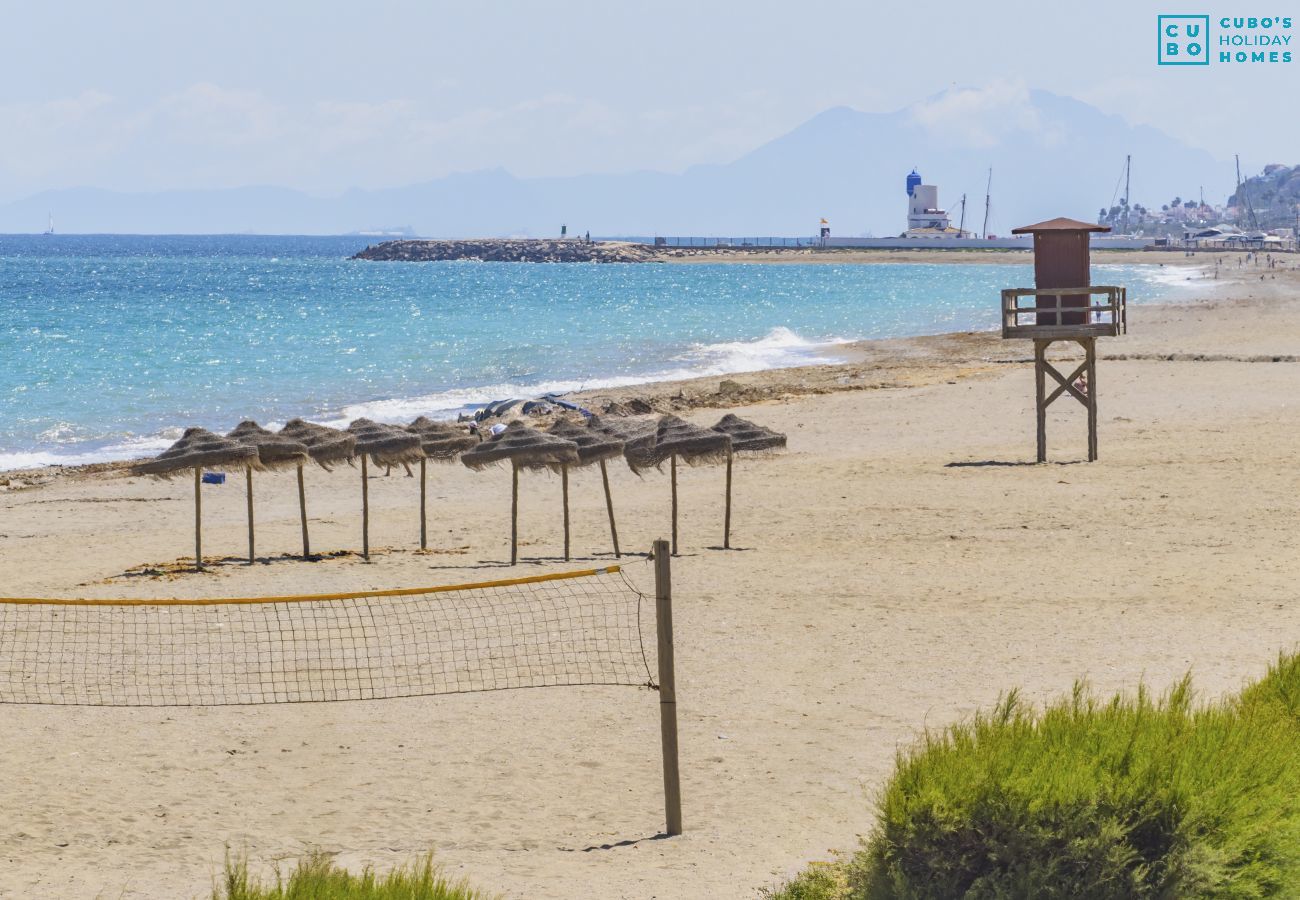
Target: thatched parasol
524, 448
325, 447
440, 442
198, 449
273, 452
593, 447
748, 438
387, 445
678, 439
635, 433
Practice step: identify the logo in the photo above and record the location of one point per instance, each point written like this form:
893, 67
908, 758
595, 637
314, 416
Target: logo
1184, 40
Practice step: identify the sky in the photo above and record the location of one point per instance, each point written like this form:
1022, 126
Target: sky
325, 96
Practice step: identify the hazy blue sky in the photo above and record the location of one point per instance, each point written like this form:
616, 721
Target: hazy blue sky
324, 96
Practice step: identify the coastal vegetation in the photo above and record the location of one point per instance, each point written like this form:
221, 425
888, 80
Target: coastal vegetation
1134, 796
317, 878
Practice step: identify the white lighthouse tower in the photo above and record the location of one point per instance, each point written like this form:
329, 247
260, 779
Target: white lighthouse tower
924, 216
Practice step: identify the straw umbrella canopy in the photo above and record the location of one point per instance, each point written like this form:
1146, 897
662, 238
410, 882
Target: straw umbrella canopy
675, 439
748, 438
273, 452
524, 448
594, 447
198, 449
440, 442
325, 447
635, 433
387, 445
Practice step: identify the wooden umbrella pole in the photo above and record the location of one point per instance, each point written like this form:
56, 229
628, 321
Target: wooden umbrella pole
514, 514
249, 481
302, 513
365, 511
609, 506
726, 528
198, 518
424, 531
564, 482
673, 467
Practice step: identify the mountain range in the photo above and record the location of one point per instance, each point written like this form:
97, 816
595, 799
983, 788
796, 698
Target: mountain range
1050, 155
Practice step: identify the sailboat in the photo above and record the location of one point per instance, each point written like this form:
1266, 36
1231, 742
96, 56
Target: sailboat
50, 230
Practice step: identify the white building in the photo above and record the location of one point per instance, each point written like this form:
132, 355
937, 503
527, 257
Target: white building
924, 216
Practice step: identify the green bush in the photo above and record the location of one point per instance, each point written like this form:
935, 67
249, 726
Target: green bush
820, 881
1136, 797
317, 878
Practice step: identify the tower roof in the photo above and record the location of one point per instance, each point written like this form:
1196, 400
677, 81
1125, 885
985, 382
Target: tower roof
1059, 224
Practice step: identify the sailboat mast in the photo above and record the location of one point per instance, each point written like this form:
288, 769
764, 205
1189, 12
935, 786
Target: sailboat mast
961, 226
1243, 194
988, 192
1128, 168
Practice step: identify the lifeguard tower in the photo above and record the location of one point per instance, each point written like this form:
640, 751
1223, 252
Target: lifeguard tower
1064, 305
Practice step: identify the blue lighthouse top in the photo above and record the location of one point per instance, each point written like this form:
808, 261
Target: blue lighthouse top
912, 181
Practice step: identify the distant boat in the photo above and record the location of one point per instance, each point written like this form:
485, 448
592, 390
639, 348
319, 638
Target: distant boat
50, 230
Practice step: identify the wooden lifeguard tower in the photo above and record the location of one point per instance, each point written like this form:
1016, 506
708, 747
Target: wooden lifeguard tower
1064, 305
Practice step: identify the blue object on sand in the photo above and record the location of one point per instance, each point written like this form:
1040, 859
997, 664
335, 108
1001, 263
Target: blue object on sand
214, 477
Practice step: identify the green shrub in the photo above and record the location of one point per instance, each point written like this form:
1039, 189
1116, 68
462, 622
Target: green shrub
820, 881
317, 878
1136, 796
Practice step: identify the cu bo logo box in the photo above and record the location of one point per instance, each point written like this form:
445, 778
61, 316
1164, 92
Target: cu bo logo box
1183, 40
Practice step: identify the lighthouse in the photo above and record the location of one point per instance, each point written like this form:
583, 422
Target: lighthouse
924, 216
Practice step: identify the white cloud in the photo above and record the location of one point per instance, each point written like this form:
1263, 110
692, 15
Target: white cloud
983, 117
44, 138
211, 115
208, 135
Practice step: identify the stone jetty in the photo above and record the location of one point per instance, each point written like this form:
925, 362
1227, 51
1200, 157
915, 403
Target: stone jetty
511, 250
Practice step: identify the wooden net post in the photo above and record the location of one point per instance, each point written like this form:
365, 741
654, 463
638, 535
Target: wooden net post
198, 518
667, 687
564, 483
365, 510
609, 507
424, 530
302, 514
248, 470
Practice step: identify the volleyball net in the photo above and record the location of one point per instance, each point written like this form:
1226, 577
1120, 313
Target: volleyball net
589, 627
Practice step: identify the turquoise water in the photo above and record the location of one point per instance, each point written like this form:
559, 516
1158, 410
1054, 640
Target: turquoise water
112, 344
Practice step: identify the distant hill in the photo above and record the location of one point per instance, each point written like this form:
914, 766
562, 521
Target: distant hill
1274, 195
1051, 155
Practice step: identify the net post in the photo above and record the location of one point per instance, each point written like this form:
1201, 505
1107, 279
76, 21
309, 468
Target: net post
667, 686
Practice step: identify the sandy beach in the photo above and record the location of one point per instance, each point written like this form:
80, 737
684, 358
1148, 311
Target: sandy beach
900, 566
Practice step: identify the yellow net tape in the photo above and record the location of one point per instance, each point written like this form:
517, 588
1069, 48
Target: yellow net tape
570, 628
302, 598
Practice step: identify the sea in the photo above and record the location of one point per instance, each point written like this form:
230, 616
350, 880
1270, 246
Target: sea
112, 345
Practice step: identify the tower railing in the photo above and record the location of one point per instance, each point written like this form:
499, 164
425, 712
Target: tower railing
1064, 313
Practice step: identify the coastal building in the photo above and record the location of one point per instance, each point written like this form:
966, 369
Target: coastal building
925, 218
